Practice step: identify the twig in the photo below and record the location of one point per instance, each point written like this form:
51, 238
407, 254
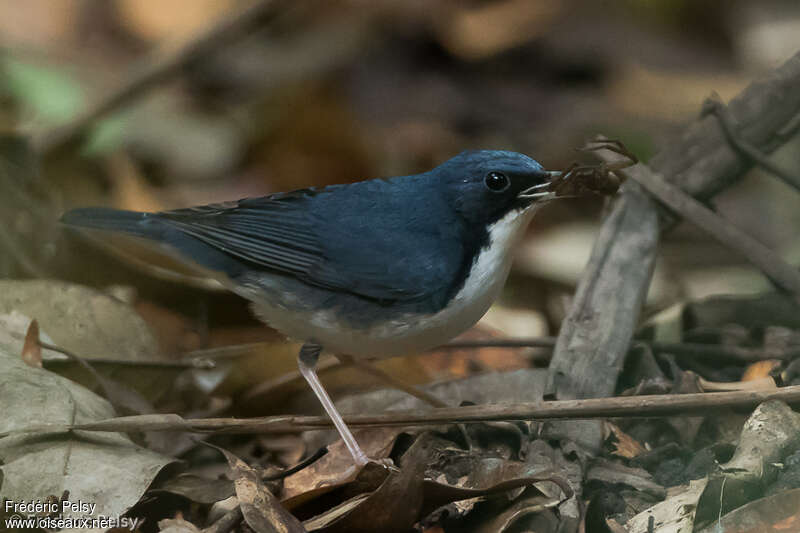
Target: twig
528, 342
391, 381
628, 406
770, 263
296, 468
714, 106
685, 349
203, 363
599, 327
717, 351
157, 68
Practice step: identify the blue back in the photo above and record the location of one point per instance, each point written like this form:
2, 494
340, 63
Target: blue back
410, 239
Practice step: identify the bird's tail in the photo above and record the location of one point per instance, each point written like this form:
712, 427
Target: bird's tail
151, 226
104, 218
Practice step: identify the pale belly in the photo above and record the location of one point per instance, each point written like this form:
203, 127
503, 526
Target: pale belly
405, 333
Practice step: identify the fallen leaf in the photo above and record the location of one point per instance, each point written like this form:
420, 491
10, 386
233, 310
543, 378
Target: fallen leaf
489, 474
198, 489
103, 468
624, 445
80, 319
261, 509
395, 506
768, 436
90, 323
494, 387
31, 351
673, 515
613, 474
760, 369
777, 513
530, 512
438, 494
336, 468
126, 401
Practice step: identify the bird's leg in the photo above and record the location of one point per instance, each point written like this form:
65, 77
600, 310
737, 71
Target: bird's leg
392, 381
307, 361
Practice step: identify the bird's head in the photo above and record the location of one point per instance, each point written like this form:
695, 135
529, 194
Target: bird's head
485, 185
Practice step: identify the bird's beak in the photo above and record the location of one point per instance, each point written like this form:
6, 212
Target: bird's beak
541, 191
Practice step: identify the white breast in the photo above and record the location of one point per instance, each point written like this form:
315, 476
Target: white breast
414, 333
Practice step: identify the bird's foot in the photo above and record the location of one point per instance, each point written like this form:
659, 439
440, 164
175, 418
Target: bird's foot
362, 461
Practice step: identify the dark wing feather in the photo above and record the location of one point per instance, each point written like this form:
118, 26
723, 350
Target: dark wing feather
360, 238
265, 232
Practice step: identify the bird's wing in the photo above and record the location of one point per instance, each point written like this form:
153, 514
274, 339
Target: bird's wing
268, 232
324, 243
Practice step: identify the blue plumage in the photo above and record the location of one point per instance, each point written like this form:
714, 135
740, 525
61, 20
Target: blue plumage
373, 268
409, 239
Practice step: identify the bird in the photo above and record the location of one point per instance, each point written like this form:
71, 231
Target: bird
371, 269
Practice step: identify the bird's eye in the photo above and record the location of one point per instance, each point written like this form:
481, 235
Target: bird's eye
496, 181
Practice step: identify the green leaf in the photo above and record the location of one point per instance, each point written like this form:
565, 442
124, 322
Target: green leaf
52, 95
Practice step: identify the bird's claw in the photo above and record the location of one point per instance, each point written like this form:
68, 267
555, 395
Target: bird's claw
385, 463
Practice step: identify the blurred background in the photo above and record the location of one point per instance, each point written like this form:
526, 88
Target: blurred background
324, 92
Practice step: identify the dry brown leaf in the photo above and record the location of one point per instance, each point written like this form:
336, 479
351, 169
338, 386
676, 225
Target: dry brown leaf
770, 434
261, 509
673, 515
446, 363
614, 473
777, 513
625, 445
31, 351
272, 368
104, 468
760, 369
198, 489
336, 468
394, 506
532, 511
97, 324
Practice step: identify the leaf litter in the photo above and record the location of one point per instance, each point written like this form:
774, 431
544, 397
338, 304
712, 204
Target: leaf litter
36, 465
500, 468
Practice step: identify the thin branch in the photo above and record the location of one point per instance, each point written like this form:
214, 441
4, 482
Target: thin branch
195, 362
391, 381
714, 106
597, 332
528, 342
771, 264
631, 406
685, 349
296, 468
718, 351
157, 68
